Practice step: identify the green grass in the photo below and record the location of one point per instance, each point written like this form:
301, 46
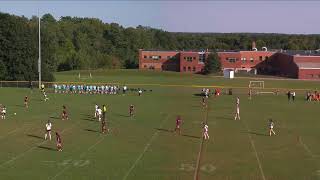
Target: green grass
143, 148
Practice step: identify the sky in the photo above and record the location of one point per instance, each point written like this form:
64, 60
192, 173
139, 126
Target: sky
290, 17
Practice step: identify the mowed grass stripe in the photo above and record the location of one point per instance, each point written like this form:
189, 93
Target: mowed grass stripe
145, 148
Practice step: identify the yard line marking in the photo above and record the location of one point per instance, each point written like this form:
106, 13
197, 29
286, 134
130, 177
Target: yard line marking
13, 131
145, 149
81, 156
196, 173
306, 148
255, 151
29, 150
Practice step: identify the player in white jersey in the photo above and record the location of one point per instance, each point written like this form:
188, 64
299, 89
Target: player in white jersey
45, 96
237, 114
48, 130
205, 131
238, 101
3, 112
96, 110
271, 126
99, 113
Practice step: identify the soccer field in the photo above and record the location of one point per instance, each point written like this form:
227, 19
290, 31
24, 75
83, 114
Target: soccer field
145, 148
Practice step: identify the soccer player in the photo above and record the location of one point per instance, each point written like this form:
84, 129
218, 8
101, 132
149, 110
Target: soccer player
131, 110
203, 102
59, 141
140, 92
104, 111
26, 99
205, 131
99, 113
96, 110
104, 127
271, 125
45, 96
3, 112
64, 113
178, 124
237, 114
48, 130
42, 87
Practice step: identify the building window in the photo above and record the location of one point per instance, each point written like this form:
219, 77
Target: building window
168, 57
189, 68
231, 60
267, 57
251, 60
145, 66
243, 60
145, 57
184, 57
194, 69
202, 57
184, 68
318, 75
194, 58
155, 57
189, 59
310, 75
150, 57
260, 58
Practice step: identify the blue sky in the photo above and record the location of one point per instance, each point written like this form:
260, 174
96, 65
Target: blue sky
186, 16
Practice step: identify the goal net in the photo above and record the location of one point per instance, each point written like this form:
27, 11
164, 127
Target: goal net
256, 84
84, 75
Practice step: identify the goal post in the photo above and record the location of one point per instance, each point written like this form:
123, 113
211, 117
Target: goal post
84, 76
256, 84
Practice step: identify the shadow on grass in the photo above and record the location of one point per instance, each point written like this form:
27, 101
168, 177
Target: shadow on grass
121, 115
256, 133
90, 130
88, 119
47, 148
54, 117
198, 94
18, 105
34, 136
172, 131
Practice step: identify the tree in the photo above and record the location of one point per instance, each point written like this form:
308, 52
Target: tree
212, 64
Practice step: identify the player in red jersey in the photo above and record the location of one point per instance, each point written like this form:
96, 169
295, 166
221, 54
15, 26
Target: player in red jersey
131, 110
59, 141
64, 113
178, 124
26, 99
104, 127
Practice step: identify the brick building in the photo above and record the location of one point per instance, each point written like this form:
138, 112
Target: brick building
293, 64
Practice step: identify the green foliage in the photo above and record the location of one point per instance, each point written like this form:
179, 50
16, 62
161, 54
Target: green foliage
73, 43
212, 64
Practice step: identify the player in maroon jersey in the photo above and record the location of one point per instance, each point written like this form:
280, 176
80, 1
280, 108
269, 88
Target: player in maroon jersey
104, 127
64, 113
178, 124
26, 100
59, 141
131, 110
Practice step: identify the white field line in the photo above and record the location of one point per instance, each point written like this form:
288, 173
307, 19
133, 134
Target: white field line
15, 130
255, 151
306, 148
27, 151
81, 156
144, 150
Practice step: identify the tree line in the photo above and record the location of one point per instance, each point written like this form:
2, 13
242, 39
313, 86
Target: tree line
73, 43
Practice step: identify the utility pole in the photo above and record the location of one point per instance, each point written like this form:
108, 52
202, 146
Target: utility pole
39, 59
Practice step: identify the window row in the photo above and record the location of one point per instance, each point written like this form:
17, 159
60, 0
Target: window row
155, 57
189, 68
244, 60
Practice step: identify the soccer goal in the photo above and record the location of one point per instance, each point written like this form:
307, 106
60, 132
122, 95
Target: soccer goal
256, 84
85, 75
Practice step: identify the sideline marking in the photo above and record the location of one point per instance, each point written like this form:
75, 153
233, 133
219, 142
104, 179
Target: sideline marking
27, 151
306, 148
145, 149
81, 155
255, 151
196, 173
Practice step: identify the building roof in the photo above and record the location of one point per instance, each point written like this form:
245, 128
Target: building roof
308, 65
301, 52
